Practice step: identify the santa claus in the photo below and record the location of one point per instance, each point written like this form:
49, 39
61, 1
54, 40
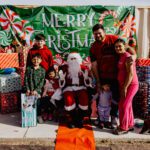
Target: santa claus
74, 79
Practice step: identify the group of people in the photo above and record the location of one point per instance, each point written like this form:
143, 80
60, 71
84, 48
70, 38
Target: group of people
112, 78
113, 63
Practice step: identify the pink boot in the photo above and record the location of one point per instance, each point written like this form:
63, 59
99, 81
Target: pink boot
94, 110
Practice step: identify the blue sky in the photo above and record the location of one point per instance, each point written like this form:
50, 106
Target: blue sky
76, 2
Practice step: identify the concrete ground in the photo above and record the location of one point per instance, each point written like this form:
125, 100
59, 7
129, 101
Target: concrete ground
43, 136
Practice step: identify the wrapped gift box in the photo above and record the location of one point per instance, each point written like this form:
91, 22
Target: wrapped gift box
8, 60
140, 101
9, 102
148, 99
143, 62
10, 82
28, 110
143, 73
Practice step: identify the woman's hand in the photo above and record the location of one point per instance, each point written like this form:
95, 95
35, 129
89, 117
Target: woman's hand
123, 92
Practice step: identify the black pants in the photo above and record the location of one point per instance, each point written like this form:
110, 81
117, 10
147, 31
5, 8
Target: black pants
44, 105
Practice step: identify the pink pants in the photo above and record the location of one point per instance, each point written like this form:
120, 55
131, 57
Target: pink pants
126, 117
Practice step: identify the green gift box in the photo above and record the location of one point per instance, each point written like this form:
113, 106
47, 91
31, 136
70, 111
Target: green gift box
29, 110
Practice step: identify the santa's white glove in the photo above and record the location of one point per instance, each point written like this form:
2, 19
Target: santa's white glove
87, 79
85, 74
62, 79
62, 75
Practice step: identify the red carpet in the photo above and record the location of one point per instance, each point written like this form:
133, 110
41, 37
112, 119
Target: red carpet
75, 139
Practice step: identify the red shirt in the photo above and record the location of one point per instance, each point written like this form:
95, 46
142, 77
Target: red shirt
106, 57
47, 58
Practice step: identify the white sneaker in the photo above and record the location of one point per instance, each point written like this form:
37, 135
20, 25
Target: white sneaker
114, 122
40, 120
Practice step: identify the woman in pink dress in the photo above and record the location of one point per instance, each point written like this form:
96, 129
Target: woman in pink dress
128, 85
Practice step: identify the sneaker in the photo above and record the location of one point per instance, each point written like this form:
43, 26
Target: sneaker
131, 129
95, 122
107, 125
114, 122
101, 125
40, 120
119, 131
45, 116
50, 117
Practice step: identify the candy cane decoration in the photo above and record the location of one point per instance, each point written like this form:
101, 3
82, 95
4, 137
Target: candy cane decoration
128, 26
106, 13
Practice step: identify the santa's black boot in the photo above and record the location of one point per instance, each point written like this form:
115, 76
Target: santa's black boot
70, 118
82, 114
79, 119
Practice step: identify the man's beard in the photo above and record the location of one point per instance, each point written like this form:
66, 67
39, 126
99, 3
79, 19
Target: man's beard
74, 69
99, 39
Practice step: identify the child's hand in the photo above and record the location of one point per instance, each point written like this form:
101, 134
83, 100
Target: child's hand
28, 92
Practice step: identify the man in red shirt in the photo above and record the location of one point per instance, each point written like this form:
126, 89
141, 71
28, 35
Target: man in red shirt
42, 49
104, 64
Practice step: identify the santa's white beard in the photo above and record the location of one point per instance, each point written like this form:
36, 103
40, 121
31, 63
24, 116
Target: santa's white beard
74, 69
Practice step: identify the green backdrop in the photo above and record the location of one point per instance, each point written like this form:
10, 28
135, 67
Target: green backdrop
66, 28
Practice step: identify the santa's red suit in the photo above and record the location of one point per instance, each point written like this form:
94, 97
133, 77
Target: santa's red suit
74, 84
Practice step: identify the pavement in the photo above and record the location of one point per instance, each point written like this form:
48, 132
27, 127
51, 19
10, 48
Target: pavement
11, 133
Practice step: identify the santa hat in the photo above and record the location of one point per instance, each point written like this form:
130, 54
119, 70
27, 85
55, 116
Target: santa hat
75, 55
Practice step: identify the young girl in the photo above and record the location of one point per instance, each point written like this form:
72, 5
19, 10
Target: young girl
104, 106
51, 94
128, 85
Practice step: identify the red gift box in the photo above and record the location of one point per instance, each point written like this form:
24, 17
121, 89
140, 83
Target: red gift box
9, 102
143, 62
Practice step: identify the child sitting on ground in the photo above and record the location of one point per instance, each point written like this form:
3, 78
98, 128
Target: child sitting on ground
104, 106
51, 94
34, 81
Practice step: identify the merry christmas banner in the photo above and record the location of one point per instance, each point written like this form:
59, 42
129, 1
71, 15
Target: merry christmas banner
67, 28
